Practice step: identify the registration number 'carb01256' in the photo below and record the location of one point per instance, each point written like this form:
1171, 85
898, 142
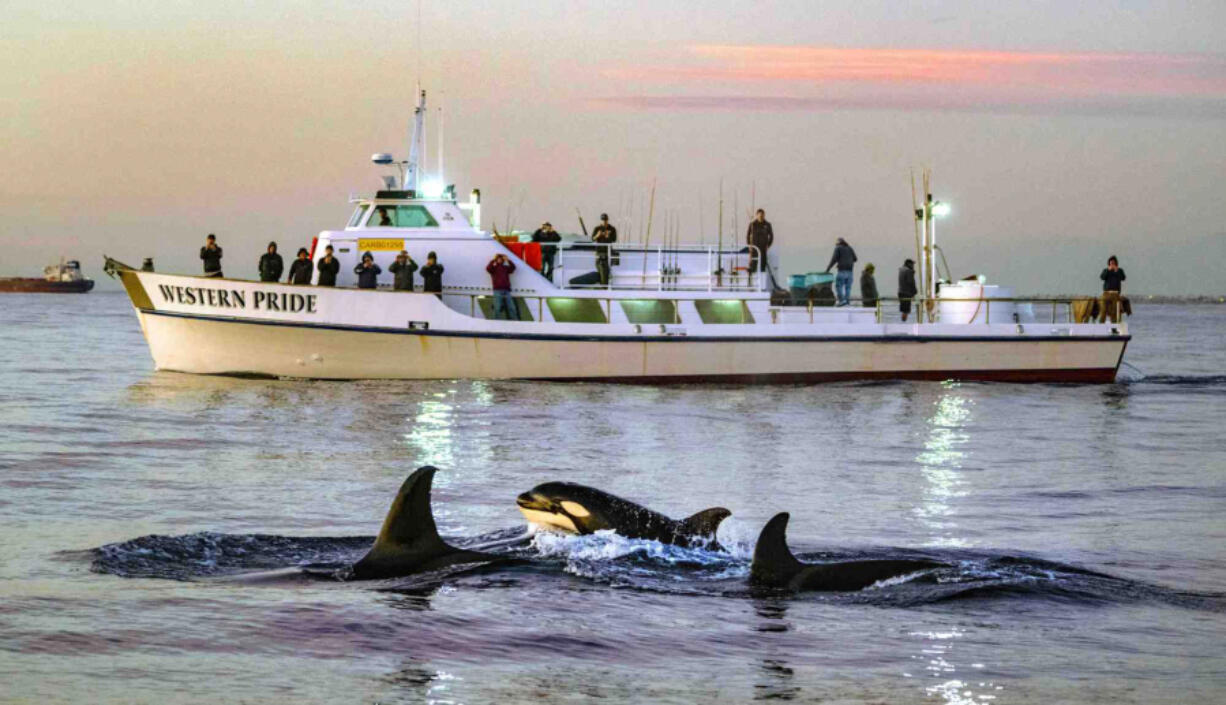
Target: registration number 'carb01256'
380, 244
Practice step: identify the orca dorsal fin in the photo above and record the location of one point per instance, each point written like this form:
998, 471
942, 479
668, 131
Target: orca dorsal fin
408, 531
773, 563
409, 523
704, 523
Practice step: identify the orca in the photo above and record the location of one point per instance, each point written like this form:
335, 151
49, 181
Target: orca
774, 566
580, 509
408, 542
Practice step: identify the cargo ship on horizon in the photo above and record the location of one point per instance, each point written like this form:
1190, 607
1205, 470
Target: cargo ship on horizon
62, 278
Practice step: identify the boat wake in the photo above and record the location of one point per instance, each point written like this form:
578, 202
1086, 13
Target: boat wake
609, 560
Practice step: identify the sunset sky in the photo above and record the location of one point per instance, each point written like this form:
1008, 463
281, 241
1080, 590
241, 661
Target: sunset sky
1061, 132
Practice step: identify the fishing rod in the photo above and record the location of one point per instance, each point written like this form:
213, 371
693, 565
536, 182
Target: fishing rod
647, 238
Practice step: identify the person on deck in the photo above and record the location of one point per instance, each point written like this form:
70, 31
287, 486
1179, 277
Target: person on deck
402, 270
1113, 281
300, 269
271, 264
906, 287
328, 268
500, 269
845, 258
368, 272
759, 237
604, 235
432, 275
868, 287
211, 254
545, 235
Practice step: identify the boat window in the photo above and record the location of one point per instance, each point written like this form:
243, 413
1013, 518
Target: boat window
649, 311
401, 217
357, 215
723, 311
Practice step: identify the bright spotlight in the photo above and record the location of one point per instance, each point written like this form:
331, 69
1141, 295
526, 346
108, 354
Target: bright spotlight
940, 209
432, 189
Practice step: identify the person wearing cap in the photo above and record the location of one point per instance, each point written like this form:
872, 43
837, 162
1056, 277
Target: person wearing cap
271, 264
328, 268
906, 287
546, 234
300, 269
759, 237
402, 271
604, 235
368, 272
868, 287
432, 276
845, 259
211, 254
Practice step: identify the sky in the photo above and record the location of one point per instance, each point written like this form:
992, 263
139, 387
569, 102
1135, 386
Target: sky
1059, 132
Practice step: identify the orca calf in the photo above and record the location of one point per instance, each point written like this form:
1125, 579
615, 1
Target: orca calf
774, 566
409, 542
580, 509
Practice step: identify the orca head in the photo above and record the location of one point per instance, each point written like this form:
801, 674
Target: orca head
567, 507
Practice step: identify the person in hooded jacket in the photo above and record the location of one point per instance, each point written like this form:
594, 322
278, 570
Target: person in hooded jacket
368, 272
271, 264
845, 259
402, 270
432, 275
760, 236
868, 287
300, 269
906, 287
328, 268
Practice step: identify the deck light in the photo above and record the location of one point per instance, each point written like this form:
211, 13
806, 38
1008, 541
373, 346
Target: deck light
432, 189
940, 209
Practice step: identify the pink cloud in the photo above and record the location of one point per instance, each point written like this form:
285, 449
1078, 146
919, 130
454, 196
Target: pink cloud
807, 77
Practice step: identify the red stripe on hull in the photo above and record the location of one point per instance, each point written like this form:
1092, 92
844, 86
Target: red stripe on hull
1104, 375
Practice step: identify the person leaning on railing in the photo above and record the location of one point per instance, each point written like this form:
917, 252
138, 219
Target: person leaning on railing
1113, 279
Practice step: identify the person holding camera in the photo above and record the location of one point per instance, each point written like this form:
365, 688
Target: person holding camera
500, 269
402, 270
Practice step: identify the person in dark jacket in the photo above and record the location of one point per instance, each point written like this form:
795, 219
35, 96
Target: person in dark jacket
300, 269
604, 235
1113, 282
368, 272
845, 259
211, 254
500, 269
402, 271
906, 287
868, 287
328, 268
271, 264
759, 237
545, 235
432, 275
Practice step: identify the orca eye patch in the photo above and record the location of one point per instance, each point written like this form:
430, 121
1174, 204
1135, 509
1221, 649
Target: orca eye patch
575, 509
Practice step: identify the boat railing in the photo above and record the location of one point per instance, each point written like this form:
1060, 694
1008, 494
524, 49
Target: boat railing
662, 267
1019, 311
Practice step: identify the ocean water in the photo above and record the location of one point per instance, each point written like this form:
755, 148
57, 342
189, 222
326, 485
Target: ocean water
1083, 529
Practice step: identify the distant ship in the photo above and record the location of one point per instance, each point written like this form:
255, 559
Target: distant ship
62, 278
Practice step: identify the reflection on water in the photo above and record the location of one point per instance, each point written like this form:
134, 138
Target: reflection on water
940, 464
937, 656
430, 437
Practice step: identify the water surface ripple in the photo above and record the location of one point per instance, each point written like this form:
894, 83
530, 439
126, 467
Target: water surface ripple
1083, 524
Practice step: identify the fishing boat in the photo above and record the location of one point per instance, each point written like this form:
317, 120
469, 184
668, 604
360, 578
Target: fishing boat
62, 278
632, 313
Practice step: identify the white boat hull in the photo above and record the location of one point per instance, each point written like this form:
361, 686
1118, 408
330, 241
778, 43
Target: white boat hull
211, 339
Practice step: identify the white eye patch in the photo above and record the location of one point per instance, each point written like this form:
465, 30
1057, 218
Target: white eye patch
575, 509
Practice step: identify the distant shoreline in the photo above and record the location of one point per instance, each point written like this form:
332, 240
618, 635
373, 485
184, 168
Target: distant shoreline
1151, 298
